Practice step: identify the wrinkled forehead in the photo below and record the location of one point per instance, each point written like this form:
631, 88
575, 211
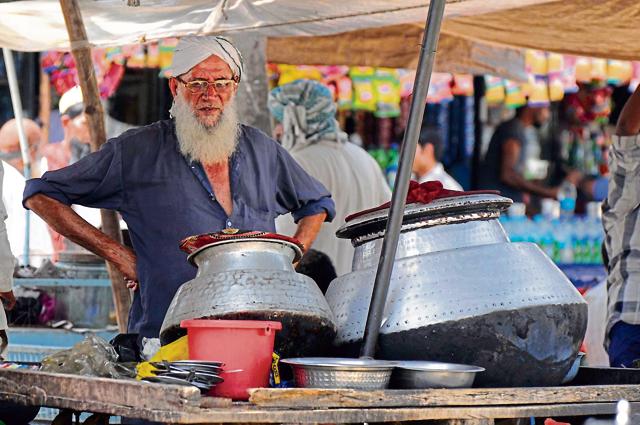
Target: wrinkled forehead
212, 68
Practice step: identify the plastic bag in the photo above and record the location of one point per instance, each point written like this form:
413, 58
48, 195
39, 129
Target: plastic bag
91, 357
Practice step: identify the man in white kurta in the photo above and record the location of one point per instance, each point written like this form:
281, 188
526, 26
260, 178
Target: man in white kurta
40, 245
7, 263
311, 135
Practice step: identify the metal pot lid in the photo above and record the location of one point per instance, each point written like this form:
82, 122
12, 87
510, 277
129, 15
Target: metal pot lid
448, 210
192, 245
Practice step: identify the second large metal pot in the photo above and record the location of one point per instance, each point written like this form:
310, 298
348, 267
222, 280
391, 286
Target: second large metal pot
253, 278
462, 293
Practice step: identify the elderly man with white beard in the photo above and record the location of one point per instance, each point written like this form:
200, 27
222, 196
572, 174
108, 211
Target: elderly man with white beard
199, 172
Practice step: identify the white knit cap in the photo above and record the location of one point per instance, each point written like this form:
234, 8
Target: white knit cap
192, 50
70, 98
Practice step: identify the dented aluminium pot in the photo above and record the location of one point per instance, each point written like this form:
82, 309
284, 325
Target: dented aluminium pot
462, 293
253, 278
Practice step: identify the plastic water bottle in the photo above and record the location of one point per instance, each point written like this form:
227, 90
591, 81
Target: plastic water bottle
567, 197
392, 166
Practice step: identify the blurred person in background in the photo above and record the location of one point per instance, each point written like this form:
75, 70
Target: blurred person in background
309, 131
76, 142
10, 144
502, 168
75, 145
40, 243
7, 266
621, 221
426, 163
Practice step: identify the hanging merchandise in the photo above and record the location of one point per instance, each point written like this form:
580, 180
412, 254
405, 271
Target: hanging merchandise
583, 69
494, 90
440, 88
166, 48
569, 82
462, 85
63, 74
407, 78
619, 72
386, 84
514, 94
363, 90
555, 64
117, 54
598, 69
536, 62
345, 93
289, 73
538, 92
153, 55
136, 56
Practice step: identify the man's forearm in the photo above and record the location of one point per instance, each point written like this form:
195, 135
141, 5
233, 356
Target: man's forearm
64, 220
308, 228
514, 179
629, 121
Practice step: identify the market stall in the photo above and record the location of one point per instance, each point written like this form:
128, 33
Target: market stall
378, 232
176, 405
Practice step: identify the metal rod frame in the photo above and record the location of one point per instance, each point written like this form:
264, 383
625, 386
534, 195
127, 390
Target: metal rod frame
14, 89
398, 199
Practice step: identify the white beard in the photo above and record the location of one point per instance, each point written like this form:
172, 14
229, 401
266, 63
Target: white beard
208, 145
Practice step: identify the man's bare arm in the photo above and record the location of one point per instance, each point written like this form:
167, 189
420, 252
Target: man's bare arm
510, 176
629, 120
308, 228
64, 220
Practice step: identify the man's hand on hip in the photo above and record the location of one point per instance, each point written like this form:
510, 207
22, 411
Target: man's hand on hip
308, 228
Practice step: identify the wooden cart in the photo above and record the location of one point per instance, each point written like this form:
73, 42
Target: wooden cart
184, 405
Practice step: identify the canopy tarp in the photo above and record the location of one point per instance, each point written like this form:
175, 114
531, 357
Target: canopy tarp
37, 25
485, 41
478, 36
398, 46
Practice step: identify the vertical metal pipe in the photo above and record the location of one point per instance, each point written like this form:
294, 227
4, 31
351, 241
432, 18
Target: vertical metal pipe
398, 200
24, 143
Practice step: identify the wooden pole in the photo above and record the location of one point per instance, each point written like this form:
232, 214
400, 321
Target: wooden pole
45, 107
81, 51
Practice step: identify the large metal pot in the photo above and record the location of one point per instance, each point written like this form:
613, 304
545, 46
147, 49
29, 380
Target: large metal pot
462, 293
253, 278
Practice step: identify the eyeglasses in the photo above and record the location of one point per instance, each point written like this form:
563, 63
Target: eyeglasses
202, 86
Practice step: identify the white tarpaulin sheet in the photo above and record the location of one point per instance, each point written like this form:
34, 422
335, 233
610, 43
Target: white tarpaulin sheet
38, 25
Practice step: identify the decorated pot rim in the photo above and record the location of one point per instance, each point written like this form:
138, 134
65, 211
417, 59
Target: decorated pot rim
195, 244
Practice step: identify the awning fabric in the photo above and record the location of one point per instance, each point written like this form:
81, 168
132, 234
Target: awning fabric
37, 25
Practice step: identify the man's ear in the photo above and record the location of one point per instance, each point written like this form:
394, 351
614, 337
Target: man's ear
173, 86
64, 119
430, 149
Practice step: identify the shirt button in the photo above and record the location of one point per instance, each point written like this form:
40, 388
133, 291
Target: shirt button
228, 223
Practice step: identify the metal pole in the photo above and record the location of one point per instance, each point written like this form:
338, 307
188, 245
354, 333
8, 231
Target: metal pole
398, 200
24, 144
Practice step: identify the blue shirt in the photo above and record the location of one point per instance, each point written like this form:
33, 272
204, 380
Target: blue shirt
164, 198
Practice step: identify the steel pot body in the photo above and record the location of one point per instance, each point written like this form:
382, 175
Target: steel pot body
462, 293
254, 279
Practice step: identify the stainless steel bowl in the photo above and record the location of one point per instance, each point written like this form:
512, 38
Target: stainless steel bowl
424, 374
329, 372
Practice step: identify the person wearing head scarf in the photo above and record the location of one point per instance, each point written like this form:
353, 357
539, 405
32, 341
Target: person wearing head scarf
306, 112
199, 172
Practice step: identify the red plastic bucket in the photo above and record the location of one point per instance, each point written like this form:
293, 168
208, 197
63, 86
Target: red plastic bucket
244, 346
